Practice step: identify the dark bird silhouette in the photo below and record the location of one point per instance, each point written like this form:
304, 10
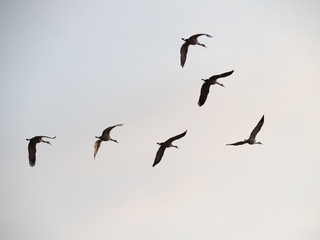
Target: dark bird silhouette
32, 147
165, 145
206, 86
252, 138
104, 137
193, 40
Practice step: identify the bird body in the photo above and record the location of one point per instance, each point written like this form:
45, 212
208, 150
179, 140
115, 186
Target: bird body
252, 138
206, 86
165, 145
105, 136
193, 40
32, 147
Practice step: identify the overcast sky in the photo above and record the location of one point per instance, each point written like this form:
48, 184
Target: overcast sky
72, 68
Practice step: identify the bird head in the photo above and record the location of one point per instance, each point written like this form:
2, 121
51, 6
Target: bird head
259, 143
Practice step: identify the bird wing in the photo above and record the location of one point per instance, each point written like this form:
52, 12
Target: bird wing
204, 93
257, 129
183, 53
222, 75
195, 36
159, 155
176, 137
96, 147
32, 153
237, 143
106, 132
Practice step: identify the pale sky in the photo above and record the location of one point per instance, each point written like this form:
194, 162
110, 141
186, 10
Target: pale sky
72, 68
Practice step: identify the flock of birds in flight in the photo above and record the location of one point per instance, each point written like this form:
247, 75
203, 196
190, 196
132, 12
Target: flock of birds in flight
105, 136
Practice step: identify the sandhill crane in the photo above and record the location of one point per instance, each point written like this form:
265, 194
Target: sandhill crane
206, 86
165, 145
104, 137
193, 40
32, 147
252, 138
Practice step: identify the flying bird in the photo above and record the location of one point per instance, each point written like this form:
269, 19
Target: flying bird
104, 137
252, 138
206, 86
165, 145
193, 40
32, 147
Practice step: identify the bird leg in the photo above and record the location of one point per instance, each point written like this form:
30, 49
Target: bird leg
220, 84
46, 141
202, 45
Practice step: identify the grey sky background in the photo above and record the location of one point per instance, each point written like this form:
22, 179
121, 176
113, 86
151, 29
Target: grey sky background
73, 68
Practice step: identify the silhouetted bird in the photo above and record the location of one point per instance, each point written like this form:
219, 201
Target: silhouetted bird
206, 86
32, 147
193, 40
165, 145
104, 137
252, 138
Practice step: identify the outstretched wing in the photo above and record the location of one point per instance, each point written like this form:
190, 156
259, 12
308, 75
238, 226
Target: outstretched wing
159, 155
96, 147
195, 36
176, 137
222, 75
183, 53
257, 129
32, 153
204, 93
237, 143
106, 132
